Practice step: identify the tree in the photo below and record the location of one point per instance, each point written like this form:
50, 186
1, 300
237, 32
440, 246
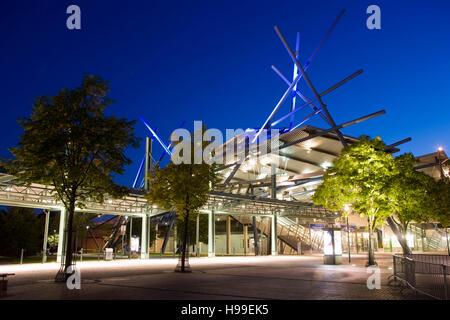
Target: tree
192, 229
440, 200
409, 191
20, 229
183, 188
359, 178
53, 240
69, 143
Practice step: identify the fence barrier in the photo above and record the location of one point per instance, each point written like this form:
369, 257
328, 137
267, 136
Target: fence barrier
427, 274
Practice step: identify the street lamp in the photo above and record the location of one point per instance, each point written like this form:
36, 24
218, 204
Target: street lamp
347, 210
440, 149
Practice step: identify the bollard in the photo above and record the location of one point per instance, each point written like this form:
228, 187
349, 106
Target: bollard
81, 254
21, 255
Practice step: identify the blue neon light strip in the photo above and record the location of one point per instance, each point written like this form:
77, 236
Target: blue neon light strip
294, 95
285, 95
139, 172
156, 136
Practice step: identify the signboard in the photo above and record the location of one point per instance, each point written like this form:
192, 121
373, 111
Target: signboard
337, 243
316, 225
351, 228
328, 243
108, 254
135, 244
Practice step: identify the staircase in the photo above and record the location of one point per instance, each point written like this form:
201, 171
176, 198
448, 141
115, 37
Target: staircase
437, 241
288, 232
292, 230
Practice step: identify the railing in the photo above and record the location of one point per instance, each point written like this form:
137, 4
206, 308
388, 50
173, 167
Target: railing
312, 238
431, 258
421, 275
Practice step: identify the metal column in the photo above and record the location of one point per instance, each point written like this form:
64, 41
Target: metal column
255, 236
273, 229
211, 234
228, 235
144, 238
44, 245
273, 233
61, 236
245, 239
148, 160
131, 236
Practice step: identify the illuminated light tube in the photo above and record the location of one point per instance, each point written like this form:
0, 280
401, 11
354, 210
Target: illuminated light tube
156, 136
139, 172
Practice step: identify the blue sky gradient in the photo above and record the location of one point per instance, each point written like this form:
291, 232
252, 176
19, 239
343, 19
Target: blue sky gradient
171, 61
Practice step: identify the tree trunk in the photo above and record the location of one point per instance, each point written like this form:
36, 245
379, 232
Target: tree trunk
183, 254
69, 249
401, 239
371, 261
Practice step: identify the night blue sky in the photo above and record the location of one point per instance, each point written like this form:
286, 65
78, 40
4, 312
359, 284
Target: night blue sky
171, 61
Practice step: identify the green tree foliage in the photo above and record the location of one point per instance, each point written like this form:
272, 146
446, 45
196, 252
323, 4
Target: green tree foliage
20, 229
183, 188
53, 240
409, 191
440, 201
359, 177
69, 143
192, 227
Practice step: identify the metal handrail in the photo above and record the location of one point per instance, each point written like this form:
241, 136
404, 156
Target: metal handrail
430, 279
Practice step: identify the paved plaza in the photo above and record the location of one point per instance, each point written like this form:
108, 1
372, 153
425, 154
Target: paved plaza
282, 277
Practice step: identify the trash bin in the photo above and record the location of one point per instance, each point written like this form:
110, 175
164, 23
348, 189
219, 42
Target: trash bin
108, 254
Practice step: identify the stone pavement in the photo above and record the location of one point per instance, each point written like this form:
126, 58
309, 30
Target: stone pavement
265, 277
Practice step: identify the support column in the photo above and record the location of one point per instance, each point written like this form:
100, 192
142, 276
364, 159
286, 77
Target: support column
175, 239
44, 245
273, 234
255, 236
61, 236
149, 232
197, 236
211, 234
228, 235
148, 161
130, 237
273, 229
144, 238
245, 239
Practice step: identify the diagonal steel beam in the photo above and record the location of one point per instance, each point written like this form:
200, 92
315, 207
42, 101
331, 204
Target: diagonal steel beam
232, 173
156, 136
391, 147
297, 55
337, 85
139, 172
312, 114
321, 133
301, 95
333, 129
311, 86
277, 107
